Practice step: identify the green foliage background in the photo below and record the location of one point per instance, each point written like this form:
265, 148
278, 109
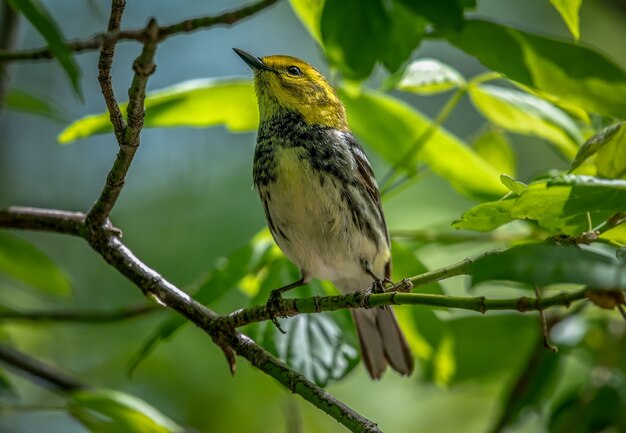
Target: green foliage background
189, 212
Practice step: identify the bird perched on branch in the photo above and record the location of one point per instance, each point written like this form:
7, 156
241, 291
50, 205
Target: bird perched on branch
321, 200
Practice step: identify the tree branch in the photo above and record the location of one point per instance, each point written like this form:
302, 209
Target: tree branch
105, 241
128, 138
111, 37
93, 316
52, 377
104, 71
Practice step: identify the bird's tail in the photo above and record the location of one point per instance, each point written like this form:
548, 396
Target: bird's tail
382, 341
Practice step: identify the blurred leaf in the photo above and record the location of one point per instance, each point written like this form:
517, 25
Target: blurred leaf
199, 103
25, 102
7, 390
568, 9
108, 411
24, 262
611, 158
406, 263
570, 71
443, 365
391, 127
616, 234
405, 34
354, 33
569, 196
39, 17
595, 143
485, 217
545, 264
518, 188
429, 76
526, 114
502, 346
493, 147
443, 13
310, 13
227, 273
590, 410
531, 387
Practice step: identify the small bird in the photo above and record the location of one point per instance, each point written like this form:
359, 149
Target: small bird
321, 200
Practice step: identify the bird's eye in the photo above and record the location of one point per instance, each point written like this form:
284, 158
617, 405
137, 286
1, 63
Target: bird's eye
294, 71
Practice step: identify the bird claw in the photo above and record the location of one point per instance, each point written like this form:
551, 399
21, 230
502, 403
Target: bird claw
379, 286
273, 308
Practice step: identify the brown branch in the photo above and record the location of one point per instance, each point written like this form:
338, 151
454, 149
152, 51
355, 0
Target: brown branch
52, 377
128, 139
105, 241
93, 316
104, 71
111, 37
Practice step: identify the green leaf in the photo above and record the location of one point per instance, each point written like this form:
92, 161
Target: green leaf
310, 13
474, 339
486, 216
24, 262
108, 411
568, 9
315, 345
570, 71
493, 147
595, 143
39, 17
611, 158
25, 102
429, 76
391, 127
526, 114
356, 47
406, 31
198, 103
552, 201
7, 389
545, 264
515, 186
443, 13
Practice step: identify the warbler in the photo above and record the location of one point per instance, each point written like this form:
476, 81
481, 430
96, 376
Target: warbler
321, 200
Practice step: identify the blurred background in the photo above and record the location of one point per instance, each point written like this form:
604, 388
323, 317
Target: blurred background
189, 200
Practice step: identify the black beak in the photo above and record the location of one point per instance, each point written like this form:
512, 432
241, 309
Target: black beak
254, 62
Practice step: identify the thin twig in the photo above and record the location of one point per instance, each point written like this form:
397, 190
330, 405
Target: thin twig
128, 139
52, 377
104, 71
110, 38
74, 316
544, 325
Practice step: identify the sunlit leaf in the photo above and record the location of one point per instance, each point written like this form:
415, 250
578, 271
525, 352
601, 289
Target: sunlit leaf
26, 102
39, 17
197, 103
517, 187
354, 48
570, 71
526, 114
309, 12
429, 76
611, 157
569, 196
24, 262
108, 411
488, 216
391, 127
568, 9
545, 264
493, 147
595, 143
616, 234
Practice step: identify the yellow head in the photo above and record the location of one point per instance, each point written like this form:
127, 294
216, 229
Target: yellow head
284, 83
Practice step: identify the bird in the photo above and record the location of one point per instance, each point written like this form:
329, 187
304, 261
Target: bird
321, 200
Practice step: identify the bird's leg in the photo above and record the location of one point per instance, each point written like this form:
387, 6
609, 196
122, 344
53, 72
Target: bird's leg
273, 302
378, 286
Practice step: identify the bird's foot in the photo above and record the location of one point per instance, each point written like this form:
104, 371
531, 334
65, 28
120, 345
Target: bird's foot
273, 307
